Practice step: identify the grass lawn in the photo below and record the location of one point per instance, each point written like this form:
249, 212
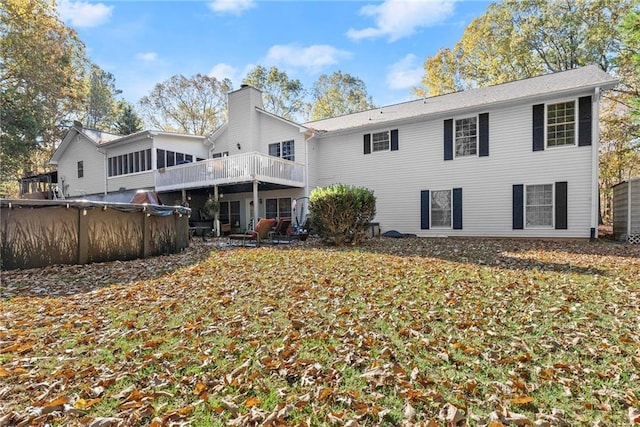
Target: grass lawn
396, 332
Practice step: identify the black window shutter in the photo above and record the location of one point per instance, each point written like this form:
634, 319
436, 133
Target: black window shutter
561, 205
483, 132
518, 207
584, 121
457, 208
538, 127
367, 143
448, 139
394, 140
424, 209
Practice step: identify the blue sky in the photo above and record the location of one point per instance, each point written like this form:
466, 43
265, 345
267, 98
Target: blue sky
384, 43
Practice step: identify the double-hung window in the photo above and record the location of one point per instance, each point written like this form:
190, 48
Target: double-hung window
274, 149
380, 141
539, 205
466, 136
285, 150
561, 124
81, 169
441, 208
288, 151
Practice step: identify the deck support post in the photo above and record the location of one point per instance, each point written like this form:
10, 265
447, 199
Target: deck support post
255, 202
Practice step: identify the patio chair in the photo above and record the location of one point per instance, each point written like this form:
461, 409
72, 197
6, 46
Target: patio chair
258, 235
281, 230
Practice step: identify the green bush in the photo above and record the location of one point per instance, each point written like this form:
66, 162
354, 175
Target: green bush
340, 214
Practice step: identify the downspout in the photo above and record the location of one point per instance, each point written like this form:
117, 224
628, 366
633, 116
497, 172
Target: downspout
629, 201
595, 165
306, 163
106, 171
255, 203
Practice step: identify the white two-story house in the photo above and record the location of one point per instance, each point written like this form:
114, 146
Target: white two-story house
513, 160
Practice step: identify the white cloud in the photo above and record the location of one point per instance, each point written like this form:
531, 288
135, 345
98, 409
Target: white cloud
147, 56
84, 14
224, 71
233, 7
311, 58
396, 19
406, 73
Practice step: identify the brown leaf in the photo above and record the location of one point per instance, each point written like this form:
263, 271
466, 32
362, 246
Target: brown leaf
522, 400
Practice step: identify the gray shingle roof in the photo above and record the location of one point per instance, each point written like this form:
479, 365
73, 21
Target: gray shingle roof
588, 77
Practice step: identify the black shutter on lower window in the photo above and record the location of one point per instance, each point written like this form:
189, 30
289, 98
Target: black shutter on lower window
538, 127
483, 132
448, 139
394, 140
457, 208
561, 205
518, 207
424, 209
367, 143
584, 121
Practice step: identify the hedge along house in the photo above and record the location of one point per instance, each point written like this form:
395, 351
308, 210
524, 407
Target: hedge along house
513, 160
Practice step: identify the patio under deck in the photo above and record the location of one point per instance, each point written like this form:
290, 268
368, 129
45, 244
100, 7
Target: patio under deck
251, 167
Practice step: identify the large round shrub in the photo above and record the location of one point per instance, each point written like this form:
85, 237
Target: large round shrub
340, 214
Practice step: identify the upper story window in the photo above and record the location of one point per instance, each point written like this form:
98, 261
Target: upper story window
124, 164
218, 155
165, 158
539, 205
561, 124
274, 149
466, 137
380, 141
81, 169
285, 150
288, 151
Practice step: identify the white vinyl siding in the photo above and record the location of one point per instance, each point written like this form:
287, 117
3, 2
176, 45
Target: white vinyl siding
93, 179
397, 181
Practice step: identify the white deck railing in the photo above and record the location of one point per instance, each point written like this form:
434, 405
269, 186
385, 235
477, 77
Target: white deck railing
235, 169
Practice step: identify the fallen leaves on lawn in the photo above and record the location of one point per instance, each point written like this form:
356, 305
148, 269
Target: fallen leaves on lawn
397, 332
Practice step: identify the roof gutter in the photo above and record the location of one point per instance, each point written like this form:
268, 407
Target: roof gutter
456, 111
